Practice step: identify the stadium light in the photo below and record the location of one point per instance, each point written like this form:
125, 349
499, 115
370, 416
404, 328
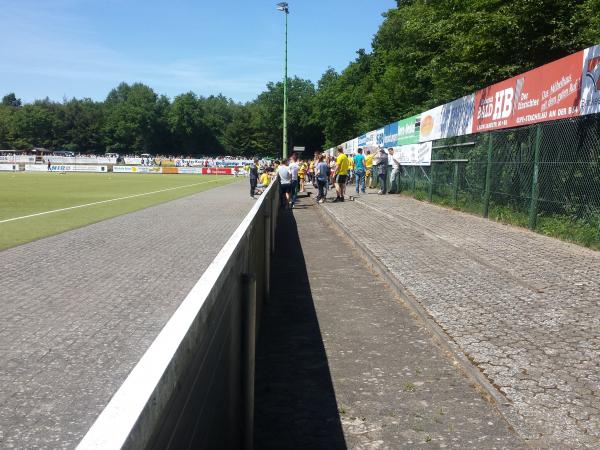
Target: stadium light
283, 6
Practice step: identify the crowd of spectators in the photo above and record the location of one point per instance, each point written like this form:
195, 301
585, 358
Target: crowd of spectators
367, 168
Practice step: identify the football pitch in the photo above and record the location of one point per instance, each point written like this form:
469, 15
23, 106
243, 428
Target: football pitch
36, 205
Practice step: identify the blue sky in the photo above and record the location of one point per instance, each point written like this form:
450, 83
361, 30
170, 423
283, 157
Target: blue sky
84, 48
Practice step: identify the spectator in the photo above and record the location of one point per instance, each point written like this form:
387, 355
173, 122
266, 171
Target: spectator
322, 175
381, 161
396, 171
253, 176
369, 167
264, 179
360, 171
285, 180
341, 174
294, 168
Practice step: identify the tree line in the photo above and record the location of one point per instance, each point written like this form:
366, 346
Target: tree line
424, 54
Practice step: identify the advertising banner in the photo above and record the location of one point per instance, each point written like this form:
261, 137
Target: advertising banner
190, 170
218, 170
17, 159
415, 154
408, 130
9, 167
549, 92
590, 81
136, 169
133, 160
362, 140
380, 135
452, 119
390, 135
371, 139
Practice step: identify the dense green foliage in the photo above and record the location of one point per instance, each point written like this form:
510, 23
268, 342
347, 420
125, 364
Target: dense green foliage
426, 52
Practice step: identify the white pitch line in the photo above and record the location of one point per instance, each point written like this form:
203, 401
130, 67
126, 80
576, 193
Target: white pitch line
103, 201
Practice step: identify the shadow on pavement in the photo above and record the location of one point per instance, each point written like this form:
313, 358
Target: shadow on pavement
295, 399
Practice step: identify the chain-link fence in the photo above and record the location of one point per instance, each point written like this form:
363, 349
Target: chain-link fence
545, 176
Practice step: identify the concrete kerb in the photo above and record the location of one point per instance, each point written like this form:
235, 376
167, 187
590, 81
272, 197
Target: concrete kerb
461, 361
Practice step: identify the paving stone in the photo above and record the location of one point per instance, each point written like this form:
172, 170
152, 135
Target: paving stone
523, 307
341, 363
79, 309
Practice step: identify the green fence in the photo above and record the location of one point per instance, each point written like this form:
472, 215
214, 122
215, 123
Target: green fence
544, 176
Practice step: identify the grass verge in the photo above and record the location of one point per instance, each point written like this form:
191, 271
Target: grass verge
22, 194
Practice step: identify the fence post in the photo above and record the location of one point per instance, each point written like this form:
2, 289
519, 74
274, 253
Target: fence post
535, 186
455, 184
248, 357
430, 195
488, 177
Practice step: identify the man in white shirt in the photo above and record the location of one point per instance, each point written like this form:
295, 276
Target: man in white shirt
293, 168
285, 183
396, 171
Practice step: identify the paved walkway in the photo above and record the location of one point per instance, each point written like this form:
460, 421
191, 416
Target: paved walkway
79, 309
524, 308
341, 363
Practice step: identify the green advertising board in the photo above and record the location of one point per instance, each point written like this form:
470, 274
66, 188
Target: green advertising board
408, 130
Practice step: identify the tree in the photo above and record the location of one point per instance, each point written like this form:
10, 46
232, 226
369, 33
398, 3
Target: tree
11, 100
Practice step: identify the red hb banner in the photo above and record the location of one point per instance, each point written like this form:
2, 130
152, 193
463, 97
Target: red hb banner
549, 92
217, 171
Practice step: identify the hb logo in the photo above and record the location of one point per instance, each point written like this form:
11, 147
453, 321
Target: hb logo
593, 71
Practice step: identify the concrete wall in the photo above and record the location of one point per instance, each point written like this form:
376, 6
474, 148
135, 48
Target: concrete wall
193, 387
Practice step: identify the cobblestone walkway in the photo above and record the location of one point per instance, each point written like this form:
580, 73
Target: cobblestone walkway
524, 308
341, 363
79, 309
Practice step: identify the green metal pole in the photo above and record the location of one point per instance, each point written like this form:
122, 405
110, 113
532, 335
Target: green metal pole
455, 186
285, 100
430, 196
535, 186
488, 177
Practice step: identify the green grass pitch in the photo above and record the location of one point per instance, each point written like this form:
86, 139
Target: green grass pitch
22, 194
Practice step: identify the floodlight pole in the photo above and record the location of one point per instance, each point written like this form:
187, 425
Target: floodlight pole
285, 100
285, 8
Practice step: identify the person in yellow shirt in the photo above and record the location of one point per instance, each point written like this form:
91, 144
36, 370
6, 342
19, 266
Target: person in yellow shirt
369, 166
342, 165
302, 174
264, 179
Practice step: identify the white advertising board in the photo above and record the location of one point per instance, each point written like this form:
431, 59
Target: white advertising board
415, 154
17, 158
134, 160
36, 168
136, 169
64, 168
79, 160
189, 170
9, 167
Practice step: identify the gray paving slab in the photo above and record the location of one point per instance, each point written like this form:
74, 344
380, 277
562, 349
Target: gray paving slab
78, 310
524, 308
342, 363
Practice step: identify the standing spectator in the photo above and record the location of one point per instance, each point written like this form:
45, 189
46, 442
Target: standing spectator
341, 174
396, 171
253, 176
360, 171
302, 169
294, 168
381, 161
285, 183
369, 169
322, 175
